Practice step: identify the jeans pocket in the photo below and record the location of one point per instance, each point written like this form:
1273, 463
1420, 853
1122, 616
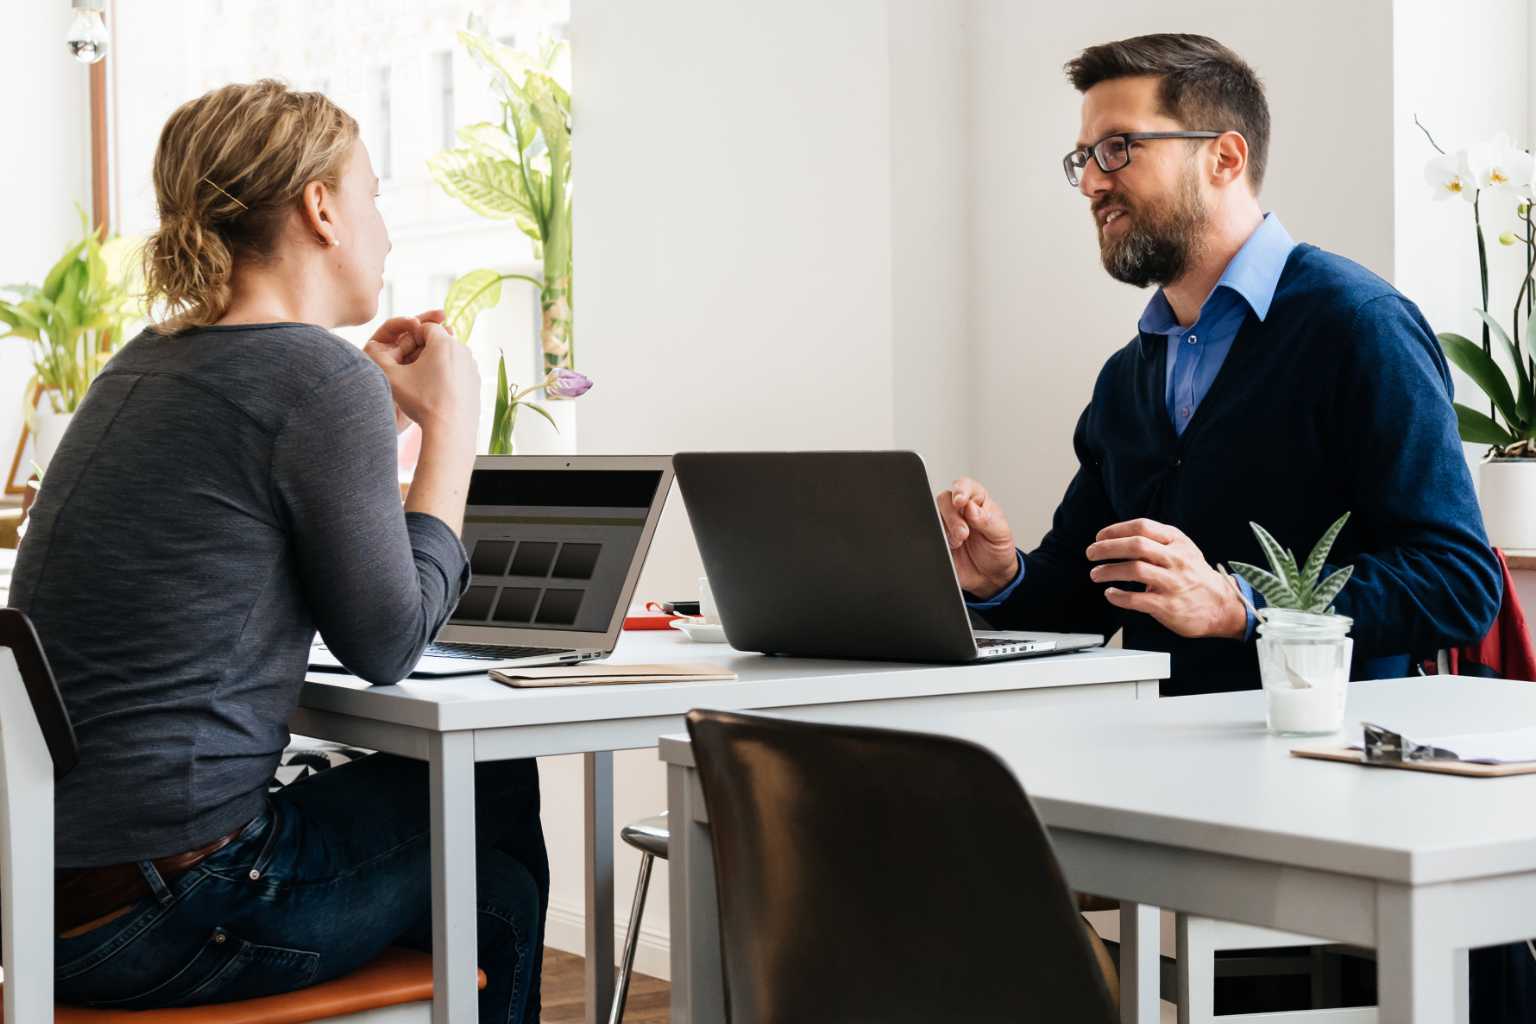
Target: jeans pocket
223, 969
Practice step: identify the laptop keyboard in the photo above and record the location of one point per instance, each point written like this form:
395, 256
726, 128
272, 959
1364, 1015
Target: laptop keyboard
489, 652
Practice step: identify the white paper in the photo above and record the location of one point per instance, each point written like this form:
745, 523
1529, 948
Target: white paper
1513, 746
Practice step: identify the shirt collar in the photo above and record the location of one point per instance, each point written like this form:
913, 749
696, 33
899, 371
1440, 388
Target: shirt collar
1254, 274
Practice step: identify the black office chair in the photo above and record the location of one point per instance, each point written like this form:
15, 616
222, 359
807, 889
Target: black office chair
873, 875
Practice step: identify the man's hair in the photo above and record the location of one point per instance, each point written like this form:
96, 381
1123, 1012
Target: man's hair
1203, 85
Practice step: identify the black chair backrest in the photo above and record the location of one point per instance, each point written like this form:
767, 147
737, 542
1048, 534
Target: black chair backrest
16, 633
879, 876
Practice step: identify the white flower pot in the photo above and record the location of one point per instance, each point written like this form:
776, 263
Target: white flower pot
1507, 492
1304, 662
532, 434
47, 431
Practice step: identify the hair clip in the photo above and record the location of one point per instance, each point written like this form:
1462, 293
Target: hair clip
226, 194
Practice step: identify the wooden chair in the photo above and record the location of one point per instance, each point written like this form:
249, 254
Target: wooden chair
37, 746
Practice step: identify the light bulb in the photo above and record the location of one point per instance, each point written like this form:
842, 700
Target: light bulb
87, 36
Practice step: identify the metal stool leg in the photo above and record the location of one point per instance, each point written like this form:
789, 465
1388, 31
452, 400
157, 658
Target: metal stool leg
631, 938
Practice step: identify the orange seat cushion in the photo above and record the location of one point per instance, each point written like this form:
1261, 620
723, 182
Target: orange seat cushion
398, 976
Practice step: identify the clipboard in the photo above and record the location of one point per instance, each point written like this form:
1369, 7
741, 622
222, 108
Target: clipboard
609, 675
1465, 769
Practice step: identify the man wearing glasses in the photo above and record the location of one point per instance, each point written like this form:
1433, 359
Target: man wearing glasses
1269, 381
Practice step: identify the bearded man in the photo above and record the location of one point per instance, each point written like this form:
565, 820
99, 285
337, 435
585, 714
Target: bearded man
1269, 381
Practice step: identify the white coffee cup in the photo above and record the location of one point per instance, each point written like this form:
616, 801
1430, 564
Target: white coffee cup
707, 610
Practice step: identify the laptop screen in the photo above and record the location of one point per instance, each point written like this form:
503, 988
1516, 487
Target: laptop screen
551, 549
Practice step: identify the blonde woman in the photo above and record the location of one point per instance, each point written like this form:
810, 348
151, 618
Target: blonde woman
228, 488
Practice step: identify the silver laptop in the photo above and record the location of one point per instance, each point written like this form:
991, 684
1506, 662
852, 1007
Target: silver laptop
837, 555
556, 545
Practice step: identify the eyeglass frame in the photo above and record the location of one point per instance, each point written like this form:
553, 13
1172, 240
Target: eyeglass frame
1128, 138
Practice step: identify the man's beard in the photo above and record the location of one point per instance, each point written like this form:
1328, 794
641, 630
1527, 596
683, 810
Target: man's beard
1159, 244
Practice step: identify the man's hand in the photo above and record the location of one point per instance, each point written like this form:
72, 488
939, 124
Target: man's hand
405, 335
1183, 592
986, 558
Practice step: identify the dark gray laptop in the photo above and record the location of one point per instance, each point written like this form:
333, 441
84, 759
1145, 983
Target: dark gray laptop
837, 555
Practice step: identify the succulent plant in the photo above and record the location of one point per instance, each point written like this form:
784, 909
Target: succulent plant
1288, 585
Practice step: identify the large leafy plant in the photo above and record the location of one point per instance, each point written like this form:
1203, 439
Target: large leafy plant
1298, 587
518, 170
1500, 172
75, 318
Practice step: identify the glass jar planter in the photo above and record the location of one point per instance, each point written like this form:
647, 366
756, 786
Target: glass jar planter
1304, 664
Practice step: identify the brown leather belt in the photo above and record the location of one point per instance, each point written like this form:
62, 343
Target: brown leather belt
81, 895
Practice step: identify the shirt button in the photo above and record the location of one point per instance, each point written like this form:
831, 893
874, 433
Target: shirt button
1185, 410
1193, 339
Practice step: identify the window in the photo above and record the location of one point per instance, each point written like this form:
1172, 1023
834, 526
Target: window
393, 70
382, 124
446, 113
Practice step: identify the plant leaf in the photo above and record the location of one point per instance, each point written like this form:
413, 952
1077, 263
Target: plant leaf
1329, 589
501, 418
1319, 556
1522, 382
468, 297
1281, 562
491, 187
1470, 358
1271, 586
489, 140
1478, 428
542, 412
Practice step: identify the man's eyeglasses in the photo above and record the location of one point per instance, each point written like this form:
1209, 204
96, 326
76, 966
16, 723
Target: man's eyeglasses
1113, 152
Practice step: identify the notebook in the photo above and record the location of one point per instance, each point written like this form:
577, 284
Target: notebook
606, 675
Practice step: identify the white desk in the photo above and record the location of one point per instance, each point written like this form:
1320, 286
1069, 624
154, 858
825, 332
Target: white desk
452, 723
1188, 804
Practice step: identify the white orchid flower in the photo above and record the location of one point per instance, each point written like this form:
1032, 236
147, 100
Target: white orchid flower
1451, 175
1500, 164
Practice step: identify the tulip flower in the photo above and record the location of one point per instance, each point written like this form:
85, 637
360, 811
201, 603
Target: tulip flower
567, 384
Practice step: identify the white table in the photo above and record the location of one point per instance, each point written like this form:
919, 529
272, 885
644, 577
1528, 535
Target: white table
1188, 804
452, 723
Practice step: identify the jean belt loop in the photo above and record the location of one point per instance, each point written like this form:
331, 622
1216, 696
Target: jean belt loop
156, 883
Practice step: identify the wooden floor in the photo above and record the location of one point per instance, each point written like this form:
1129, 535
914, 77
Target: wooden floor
648, 997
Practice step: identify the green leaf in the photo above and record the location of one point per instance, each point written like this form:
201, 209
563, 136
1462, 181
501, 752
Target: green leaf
489, 140
1522, 382
1322, 597
54, 282
1271, 586
1281, 561
1478, 428
1319, 556
468, 297
542, 412
501, 418
1470, 358
491, 187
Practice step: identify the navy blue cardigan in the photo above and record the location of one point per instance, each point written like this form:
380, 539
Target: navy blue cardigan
1338, 400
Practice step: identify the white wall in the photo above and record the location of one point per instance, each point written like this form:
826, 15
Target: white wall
734, 244
45, 170
1046, 314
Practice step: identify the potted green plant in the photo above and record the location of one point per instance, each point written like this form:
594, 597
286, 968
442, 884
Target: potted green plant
519, 170
74, 321
1304, 646
1500, 173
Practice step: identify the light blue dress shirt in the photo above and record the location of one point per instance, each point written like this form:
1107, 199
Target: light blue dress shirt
1195, 353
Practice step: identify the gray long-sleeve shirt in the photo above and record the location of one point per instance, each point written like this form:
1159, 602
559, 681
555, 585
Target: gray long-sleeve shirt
220, 495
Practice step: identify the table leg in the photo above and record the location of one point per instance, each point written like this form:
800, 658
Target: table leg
698, 985
1140, 964
451, 763
599, 982
1420, 976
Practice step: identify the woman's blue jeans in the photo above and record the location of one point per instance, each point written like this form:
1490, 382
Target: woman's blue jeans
333, 872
